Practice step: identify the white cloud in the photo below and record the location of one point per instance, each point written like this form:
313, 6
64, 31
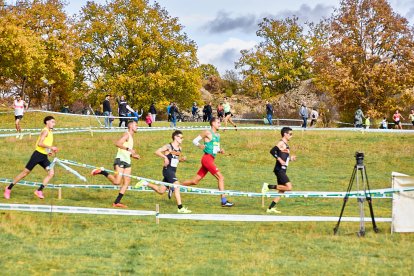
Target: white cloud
223, 55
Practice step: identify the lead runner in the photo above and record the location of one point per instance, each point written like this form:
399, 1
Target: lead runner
282, 154
210, 147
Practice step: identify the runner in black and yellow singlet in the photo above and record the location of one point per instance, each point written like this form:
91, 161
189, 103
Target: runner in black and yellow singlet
44, 147
210, 147
282, 154
172, 155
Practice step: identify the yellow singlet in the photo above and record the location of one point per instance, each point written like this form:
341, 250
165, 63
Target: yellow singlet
48, 141
125, 155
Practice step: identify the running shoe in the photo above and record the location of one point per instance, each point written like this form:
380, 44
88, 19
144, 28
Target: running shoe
141, 183
227, 204
235, 127
183, 210
96, 171
170, 192
273, 210
7, 192
21, 136
265, 188
39, 194
119, 205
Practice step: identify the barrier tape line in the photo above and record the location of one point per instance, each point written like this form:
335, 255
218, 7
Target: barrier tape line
204, 217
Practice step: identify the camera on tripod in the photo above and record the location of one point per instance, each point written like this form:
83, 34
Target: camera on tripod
359, 156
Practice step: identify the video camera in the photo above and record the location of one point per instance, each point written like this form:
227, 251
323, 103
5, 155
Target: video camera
359, 156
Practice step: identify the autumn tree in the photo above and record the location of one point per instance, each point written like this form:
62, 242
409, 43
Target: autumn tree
363, 55
277, 63
136, 49
37, 50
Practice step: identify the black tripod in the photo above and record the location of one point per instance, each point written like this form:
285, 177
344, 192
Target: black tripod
359, 166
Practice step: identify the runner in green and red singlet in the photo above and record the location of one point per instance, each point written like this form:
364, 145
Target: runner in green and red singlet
211, 147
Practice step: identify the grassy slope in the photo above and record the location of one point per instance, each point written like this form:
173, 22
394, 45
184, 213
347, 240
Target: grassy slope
66, 244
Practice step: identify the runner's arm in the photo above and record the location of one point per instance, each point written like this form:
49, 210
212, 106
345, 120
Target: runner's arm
43, 136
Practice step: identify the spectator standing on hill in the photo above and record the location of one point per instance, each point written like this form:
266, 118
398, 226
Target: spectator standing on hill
19, 107
359, 116
384, 123
411, 116
220, 112
397, 119
44, 148
314, 116
123, 110
194, 109
122, 163
107, 111
269, 112
168, 112
153, 112
173, 115
148, 119
367, 122
303, 113
209, 112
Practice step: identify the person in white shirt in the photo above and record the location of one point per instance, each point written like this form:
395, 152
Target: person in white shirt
19, 107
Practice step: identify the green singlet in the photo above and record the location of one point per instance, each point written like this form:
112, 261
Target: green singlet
212, 146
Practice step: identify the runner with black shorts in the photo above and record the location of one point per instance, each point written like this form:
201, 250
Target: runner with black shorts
39, 157
227, 113
19, 107
172, 155
122, 163
211, 147
282, 154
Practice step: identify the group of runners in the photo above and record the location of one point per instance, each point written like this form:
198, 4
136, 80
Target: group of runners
208, 141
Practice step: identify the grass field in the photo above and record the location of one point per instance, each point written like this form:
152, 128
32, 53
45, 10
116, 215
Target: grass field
63, 244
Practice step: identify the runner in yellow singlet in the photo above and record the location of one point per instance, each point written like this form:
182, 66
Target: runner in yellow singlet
44, 147
122, 163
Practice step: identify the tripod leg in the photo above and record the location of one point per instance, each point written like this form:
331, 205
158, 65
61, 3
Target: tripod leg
369, 199
351, 181
361, 232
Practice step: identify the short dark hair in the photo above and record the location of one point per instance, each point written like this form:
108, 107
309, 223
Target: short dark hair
107, 95
130, 122
285, 130
213, 119
176, 133
48, 118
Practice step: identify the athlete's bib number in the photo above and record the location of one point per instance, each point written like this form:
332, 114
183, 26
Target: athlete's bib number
287, 161
216, 149
174, 162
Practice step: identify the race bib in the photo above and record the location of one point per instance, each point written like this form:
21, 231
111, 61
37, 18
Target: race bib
216, 149
287, 161
174, 162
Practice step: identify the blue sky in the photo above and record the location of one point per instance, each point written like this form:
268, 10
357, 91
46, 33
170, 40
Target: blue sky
221, 28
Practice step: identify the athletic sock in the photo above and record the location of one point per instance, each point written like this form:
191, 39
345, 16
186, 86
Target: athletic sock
10, 186
180, 206
104, 173
118, 199
273, 204
272, 186
41, 187
223, 200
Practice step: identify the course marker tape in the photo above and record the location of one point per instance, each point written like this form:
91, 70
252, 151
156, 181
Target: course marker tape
74, 210
204, 217
377, 194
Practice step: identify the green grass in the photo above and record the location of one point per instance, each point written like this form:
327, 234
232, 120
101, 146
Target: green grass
63, 244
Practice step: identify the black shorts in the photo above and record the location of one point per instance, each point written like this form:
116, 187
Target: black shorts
227, 114
18, 117
38, 158
169, 175
121, 164
282, 178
